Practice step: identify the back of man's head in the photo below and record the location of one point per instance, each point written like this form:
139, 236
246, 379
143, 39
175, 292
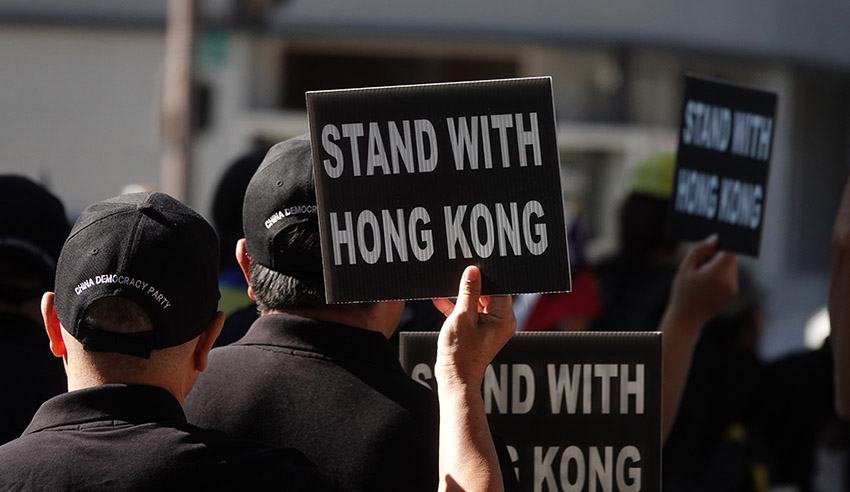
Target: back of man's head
280, 221
645, 212
123, 316
33, 227
137, 274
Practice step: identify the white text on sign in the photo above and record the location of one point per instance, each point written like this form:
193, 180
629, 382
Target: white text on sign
729, 200
579, 470
715, 127
506, 230
572, 388
394, 147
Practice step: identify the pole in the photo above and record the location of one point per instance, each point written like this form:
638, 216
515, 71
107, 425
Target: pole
176, 99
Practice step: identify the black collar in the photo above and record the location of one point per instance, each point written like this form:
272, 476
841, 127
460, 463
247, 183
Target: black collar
109, 404
331, 340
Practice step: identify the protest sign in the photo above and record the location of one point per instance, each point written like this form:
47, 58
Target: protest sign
414, 183
579, 411
722, 163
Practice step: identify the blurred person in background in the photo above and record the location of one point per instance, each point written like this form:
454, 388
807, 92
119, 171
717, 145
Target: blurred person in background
712, 443
33, 227
749, 425
565, 311
635, 282
238, 307
742, 425
839, 304
716, 443
797, 420
641, 288
832, 404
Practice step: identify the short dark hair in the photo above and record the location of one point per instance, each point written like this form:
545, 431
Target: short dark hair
117, 315
290, 292
645, 227
276, 291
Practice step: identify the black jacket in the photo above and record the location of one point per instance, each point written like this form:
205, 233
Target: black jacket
131, 437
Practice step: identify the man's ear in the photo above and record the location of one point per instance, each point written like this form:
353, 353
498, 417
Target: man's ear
206, 341
244, 260
52, 325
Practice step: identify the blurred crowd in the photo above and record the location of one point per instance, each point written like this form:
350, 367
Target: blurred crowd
290, 371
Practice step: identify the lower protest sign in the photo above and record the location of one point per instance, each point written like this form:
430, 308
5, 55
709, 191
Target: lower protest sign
578, 411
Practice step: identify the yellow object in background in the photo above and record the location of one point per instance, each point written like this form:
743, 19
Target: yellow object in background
653, 176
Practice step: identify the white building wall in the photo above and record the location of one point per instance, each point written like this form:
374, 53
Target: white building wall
79, 108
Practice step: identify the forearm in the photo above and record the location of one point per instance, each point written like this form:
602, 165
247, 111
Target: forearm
468, 460
839, 305
839, 315
680, 334
706, 282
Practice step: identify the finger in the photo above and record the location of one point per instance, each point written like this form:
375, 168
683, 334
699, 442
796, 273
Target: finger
444, 305
701, 252
725, 267
500, 306
722, 261
469, 290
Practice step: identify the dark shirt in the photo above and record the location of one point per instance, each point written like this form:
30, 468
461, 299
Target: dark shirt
634, 295
131, 437
796, 412
236, 325
334, 392
29, 373
715, 444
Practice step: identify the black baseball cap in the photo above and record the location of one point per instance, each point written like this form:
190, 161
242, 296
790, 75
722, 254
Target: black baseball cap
148, 248
33, 227
280, 195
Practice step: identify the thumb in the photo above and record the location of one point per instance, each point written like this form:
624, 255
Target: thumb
469, 290
701, 252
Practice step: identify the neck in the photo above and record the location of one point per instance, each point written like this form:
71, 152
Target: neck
81, 380
89, 369
381, 317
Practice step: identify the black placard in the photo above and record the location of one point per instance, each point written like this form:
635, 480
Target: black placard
414, 183
722, 163
586, 403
